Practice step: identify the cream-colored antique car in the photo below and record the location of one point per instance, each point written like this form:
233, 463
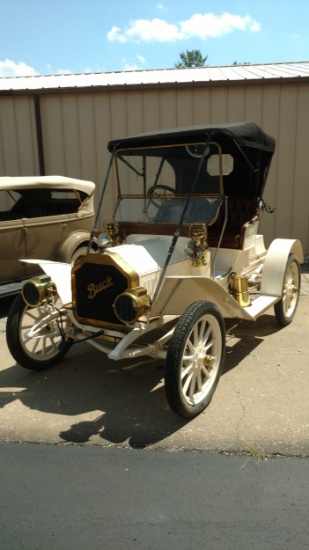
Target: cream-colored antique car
180, 253
47, 217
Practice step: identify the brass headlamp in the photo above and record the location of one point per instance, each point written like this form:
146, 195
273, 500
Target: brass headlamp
37, 290
132, 304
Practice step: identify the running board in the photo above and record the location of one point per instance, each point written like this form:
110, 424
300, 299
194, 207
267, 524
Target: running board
260, 305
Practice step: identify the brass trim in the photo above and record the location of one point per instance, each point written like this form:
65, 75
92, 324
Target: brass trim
124, 267
198, 244
167, 146
44, 286
109, 258
240, 290
142, 303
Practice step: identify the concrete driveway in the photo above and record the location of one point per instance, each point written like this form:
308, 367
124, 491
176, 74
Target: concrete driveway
261, 405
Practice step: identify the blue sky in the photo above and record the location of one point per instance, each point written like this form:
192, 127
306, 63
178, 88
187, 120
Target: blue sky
77, 36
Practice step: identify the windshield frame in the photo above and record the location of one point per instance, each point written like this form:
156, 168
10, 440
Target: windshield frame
180, 162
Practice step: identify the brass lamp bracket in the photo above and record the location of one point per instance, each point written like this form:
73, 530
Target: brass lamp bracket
197, 247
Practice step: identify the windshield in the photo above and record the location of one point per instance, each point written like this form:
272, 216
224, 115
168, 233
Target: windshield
154, 183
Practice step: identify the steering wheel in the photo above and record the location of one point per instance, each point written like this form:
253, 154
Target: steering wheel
196, 151
153, 188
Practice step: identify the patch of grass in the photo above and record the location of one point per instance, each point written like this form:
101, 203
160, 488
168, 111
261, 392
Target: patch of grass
257, 453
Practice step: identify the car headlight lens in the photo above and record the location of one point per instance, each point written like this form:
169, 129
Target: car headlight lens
38, 289
132, 304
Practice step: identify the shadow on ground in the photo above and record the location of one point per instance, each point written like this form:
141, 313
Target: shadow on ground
121, 402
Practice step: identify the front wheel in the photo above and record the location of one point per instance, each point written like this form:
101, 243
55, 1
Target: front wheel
195, 359
286, 307
37, 337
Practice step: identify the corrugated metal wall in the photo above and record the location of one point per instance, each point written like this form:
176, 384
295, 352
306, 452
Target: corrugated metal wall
18, 149
77, 126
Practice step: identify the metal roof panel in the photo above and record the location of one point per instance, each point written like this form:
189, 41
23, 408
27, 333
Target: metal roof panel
158, 76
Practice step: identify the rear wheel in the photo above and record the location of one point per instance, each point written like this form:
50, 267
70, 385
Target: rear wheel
285, 309
195, 358
37, 337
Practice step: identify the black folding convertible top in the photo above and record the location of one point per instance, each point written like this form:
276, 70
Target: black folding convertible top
245, 134
251, 148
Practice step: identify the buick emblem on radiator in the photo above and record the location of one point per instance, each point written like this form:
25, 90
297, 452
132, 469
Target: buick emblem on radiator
94, 289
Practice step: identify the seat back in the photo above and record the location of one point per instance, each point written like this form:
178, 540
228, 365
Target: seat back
240, 213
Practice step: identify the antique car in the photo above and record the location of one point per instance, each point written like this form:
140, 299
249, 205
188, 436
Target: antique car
46, 217
180, 254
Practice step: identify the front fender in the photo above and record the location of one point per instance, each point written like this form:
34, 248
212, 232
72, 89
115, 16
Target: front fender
177, 293
275, 264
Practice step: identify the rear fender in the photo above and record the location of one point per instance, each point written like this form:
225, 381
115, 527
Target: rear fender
72, 243
275, 264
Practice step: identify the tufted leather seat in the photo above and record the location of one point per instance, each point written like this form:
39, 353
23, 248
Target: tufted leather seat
241, 213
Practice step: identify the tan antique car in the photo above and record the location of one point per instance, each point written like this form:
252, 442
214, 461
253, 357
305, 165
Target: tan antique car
46, 217
181, 253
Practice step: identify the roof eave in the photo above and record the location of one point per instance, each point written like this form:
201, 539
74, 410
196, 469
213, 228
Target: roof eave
156, 86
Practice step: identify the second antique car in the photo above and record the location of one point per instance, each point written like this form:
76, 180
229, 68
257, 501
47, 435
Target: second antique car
47, 217
181, 253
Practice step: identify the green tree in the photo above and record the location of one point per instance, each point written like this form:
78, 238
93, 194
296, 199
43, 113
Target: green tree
191, 58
